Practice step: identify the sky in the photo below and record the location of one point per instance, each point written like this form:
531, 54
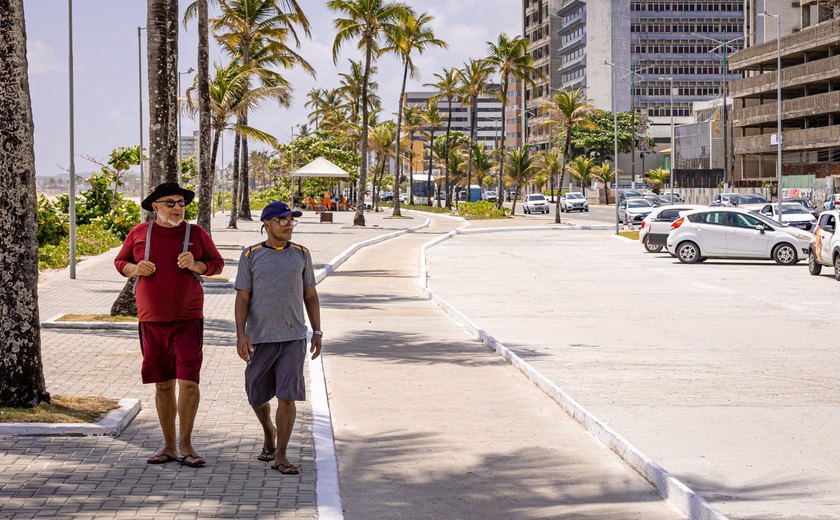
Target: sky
105, 57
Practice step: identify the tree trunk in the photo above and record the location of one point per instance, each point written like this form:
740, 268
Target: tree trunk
162, 34
359, 217
566, 146
21, 371
446, 153
234, 201
473, 108
504, 87
515, 194
244, 178
429, 176
396, 211
206, 172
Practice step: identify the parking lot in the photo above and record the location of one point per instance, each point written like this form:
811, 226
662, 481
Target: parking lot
723, 372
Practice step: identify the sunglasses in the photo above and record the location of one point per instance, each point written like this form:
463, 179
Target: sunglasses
173, 203
285, 222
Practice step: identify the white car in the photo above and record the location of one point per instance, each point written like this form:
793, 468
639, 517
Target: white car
653, 234
737, 199
726, 232
633, 211
535, 203
573, 201
793, 213
825, 246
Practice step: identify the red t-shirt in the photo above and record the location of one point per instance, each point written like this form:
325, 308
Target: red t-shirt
170, 293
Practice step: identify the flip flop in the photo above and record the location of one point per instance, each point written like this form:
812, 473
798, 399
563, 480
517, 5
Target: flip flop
197, 461
161, 458
266, 455
285, 468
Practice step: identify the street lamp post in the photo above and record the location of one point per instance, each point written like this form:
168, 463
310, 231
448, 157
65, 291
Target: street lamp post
180, 148
779, 139
673, 140
140, 102
72, 169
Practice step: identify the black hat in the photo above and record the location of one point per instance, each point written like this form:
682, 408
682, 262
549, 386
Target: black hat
167, 188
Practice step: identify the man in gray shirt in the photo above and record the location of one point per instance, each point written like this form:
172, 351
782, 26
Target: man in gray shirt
275, 281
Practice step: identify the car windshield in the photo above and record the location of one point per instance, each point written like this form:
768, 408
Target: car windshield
639, 203
751, 199
628, 194
802, 202
536, 197
765, 219
794, 210
574, 196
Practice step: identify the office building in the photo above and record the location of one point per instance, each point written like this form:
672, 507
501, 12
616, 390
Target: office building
189, 146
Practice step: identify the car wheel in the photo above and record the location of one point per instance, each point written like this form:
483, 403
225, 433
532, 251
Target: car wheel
688, 252
837, 267
650, 248
784, 254
586, 210
814, 267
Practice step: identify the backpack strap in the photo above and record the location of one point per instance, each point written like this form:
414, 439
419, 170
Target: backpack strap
145, 253
186, 248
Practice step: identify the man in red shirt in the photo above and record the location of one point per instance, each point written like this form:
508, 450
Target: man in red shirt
170, 307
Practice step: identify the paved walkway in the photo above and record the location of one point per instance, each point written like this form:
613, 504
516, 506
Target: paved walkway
84, 477
430, 424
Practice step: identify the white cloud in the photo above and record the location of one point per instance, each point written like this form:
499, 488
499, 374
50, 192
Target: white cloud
42, 59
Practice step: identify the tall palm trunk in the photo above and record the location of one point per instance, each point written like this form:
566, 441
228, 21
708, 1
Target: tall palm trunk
21, 370
566, 145
244, 177
162, 33
234, 202
396, 212
504, 87
410, 163
446, 151
205, 167
214, 150
359, 217
429, 175
474, 107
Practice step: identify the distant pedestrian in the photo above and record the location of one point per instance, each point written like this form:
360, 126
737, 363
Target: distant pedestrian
274, 283
168, 255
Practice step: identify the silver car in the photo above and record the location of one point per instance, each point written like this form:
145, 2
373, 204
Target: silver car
633, 211
535, 203
573, 201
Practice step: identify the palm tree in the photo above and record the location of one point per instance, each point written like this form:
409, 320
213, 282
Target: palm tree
657, 178
162, 51
568, 109
551, 161
522, 168
328, 109
21, 369
411, 33
382, 142
432, 121
605, 173
474, 78
483, 162
447, 87
581, 170
258, 31
413, 123
367, 22
511, 59
351, 86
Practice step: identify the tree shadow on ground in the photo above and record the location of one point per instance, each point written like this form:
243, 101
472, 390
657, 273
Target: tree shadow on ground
376, 273
363, 301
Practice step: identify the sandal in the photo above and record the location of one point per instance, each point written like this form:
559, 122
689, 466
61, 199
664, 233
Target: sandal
161, 458
266, 455
196, 462
285, 468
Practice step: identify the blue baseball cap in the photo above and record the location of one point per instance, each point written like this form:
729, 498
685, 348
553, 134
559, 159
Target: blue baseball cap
278, 209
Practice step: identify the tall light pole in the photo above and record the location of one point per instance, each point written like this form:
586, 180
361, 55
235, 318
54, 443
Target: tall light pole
140, 102
180, 148
615, 142
778, 109
673, 140
72, 169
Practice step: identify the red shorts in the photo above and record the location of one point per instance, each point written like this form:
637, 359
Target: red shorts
171, 350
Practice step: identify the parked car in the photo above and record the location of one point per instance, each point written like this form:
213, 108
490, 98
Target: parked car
573, 201
793, 214
535, 202
807, 204
653, 198
653, 233
735, 233
666, 198
633, 211
491, 195
824, 249
737, 199
629, 194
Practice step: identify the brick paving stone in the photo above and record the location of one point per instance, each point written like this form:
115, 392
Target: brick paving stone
103, 477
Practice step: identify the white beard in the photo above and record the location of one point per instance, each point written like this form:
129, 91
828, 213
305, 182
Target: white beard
174, 222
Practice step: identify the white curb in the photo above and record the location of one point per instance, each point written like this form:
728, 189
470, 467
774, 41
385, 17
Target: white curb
692, 505
112, 424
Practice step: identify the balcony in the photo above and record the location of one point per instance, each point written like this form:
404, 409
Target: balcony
819, 104
796, 76
764, 54
794, 141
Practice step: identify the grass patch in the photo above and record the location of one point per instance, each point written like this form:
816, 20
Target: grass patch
99, 318
632, 235
216, 278
481, 210
418, 207
62, 409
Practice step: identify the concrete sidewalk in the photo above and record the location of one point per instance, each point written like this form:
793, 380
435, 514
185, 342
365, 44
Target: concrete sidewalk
430, 424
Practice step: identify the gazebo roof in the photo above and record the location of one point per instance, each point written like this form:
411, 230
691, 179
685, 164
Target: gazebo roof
321, 167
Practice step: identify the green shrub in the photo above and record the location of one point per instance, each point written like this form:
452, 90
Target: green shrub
91, 239
124, 218
261, 199
52, 227
480, 210
418, 207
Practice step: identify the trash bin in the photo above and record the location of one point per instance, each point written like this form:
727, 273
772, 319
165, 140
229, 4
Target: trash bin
326, 216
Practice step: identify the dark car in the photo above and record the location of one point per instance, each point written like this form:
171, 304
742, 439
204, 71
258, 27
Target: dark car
629, 194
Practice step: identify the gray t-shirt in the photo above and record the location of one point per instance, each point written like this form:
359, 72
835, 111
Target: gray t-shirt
276, 279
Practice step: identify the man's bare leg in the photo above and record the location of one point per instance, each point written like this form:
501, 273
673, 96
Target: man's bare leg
188, 398
166, 410
286, 413
263, 412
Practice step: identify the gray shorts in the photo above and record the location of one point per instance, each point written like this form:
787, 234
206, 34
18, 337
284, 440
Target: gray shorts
276, 369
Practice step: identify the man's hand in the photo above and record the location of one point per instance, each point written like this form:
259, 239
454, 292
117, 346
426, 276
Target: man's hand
144, 268
315, 347
244, 347
186, 261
